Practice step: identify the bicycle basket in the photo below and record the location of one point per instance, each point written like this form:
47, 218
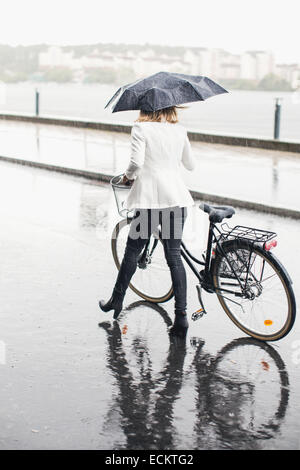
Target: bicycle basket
121, 192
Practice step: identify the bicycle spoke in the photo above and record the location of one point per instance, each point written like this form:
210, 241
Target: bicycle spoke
275, 274
152, 279
264, 309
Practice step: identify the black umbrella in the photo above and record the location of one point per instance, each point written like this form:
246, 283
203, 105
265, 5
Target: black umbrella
162, 90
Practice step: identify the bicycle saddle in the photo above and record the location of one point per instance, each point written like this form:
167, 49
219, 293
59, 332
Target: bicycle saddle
217, 213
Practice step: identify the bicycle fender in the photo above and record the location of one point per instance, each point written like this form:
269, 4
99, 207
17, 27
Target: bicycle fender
276, 261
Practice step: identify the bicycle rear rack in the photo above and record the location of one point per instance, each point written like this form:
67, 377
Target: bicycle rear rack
240, 232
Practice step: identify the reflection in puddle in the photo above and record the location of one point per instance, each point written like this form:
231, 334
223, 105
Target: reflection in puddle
240, 396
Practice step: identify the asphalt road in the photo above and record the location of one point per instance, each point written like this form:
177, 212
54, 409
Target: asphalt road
250, 174
71, 378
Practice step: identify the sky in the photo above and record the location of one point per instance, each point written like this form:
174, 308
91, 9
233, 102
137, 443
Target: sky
234, 25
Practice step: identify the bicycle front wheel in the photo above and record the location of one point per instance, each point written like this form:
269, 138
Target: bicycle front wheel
254, 290
151, 281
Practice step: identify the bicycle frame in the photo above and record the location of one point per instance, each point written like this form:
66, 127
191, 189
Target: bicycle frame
205, 275
204, 278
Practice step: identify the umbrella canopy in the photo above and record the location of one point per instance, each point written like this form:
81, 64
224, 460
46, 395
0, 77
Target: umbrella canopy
162, 90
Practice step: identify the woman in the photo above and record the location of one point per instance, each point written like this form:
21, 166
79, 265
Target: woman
159, 196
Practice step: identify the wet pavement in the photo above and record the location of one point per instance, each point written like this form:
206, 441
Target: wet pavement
71, 378
257, 175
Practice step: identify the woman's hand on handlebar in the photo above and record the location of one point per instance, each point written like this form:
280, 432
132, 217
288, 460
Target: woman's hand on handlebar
126, 181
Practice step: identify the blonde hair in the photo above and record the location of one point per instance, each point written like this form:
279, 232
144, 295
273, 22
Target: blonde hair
169, 114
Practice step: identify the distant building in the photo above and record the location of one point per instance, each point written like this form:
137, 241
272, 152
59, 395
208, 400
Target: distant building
229, 66
149, 65
265, 63
220, 64
290, 73
215, 63
255, 65
55, 57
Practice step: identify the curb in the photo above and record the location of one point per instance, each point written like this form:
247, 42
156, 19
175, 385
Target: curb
214, 198
268, 144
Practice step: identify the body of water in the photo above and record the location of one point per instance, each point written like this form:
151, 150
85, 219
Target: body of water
243, 113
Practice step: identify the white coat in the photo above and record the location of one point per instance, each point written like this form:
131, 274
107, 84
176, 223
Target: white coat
157, 151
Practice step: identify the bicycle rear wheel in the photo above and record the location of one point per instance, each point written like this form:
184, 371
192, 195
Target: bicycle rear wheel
262, 302
249, 390
152, 281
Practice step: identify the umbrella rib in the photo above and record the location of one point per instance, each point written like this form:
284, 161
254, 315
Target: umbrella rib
113, 97
127, 89
201, 99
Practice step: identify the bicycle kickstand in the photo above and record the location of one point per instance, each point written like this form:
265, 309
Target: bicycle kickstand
201, 311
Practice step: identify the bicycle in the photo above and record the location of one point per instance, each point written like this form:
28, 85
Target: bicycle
252, 286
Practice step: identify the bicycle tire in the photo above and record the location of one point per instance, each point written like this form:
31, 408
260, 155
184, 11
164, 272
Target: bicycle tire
252, 364
235, 245
114, 243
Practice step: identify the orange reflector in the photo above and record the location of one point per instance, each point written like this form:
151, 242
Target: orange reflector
268, 322
265, 365
124, 329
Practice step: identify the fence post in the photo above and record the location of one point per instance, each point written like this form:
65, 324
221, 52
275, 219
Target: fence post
37, 102
277, 118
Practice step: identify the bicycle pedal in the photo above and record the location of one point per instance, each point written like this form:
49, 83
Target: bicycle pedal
198, 314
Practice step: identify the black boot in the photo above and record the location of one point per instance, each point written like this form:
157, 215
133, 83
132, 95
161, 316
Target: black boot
181, 320
180, 325
114, 303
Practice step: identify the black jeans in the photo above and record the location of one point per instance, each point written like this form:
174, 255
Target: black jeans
144, 223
